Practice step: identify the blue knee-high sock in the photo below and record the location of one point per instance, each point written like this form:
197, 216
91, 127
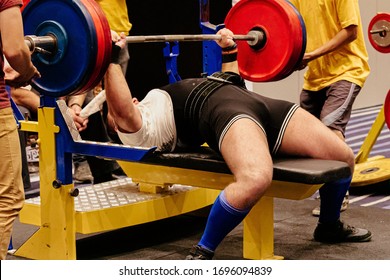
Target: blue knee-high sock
332, 195
222, 219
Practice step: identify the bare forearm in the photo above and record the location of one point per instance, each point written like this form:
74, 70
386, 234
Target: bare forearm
345, 36
230, 67
26, 98
14, 47
119, 100
77, 100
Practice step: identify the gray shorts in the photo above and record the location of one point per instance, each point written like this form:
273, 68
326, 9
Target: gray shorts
332, 105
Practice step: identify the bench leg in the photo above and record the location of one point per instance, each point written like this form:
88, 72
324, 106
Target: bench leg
56, 237
259, 231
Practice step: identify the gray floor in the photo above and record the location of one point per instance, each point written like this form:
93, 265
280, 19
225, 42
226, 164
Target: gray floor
170, 239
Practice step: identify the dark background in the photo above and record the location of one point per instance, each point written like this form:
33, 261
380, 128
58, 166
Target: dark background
146, 68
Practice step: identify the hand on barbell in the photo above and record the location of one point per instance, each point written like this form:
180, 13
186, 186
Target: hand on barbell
115, 37
226, 38
117, 46
81, 123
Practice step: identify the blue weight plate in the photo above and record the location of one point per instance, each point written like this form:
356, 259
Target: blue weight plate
69, 67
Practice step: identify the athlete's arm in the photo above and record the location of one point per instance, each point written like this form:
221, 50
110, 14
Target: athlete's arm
229, 51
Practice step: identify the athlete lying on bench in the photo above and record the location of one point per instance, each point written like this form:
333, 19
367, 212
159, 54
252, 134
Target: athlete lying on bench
247, 129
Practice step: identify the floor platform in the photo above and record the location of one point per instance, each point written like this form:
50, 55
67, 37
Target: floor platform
170, 239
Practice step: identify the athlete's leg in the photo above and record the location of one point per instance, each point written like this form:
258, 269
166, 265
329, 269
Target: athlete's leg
320, 142
245, 150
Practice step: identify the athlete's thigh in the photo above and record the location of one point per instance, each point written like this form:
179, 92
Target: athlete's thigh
245, 148
307, 136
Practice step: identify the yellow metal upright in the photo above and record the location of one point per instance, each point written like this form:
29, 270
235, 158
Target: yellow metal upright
371, 138
55, 239
258, 235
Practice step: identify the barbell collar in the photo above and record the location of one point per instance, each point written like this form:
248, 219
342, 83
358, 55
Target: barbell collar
34, 43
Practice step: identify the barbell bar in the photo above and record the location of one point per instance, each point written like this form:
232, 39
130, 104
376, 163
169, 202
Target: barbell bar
254, 38
71, 42
41, 44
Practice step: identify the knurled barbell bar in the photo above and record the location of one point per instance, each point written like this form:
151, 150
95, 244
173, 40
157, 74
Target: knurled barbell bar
47, 44
71, 42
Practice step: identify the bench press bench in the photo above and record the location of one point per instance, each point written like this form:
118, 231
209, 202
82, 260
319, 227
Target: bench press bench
201, 174
294, 178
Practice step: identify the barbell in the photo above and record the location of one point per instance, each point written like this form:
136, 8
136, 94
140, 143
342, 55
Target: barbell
70, 42
44, 44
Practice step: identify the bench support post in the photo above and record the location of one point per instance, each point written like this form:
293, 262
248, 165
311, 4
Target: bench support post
55, 239
258, 236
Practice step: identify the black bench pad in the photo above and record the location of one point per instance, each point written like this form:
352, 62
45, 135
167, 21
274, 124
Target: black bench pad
298, 170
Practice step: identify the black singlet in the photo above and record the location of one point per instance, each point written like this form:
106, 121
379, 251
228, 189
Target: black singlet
222, 107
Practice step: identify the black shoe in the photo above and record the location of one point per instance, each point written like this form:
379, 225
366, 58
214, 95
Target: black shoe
199, 253
339, 232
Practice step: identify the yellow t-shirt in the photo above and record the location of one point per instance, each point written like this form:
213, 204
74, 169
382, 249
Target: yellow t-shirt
116, 14
323, 20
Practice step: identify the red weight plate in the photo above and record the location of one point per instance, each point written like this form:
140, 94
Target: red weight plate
103, 46
299, 31
378, 41
25, 2
107, 39
296, 31
94, 47
387, 109
103, 34
283, 32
